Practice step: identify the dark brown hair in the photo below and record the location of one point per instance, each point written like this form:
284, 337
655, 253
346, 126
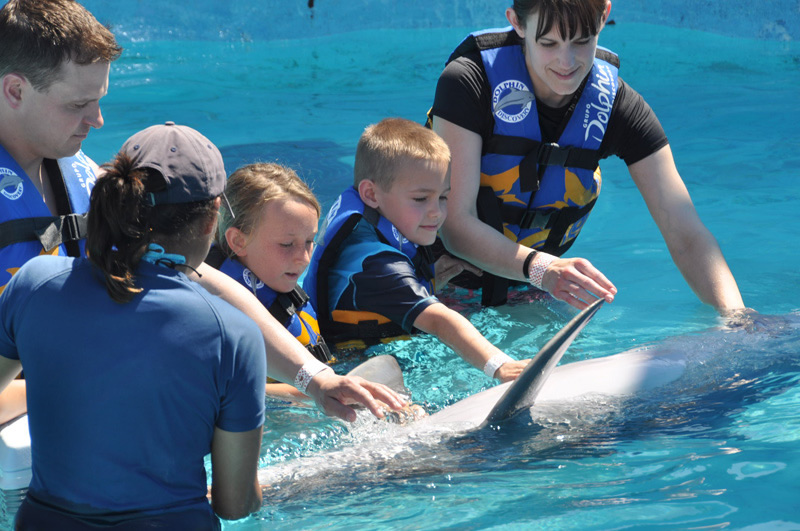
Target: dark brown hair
571, 17
37, 36
122, 223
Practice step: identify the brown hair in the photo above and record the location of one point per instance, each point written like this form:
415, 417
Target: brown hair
250, 188
37, 36
122, 223
392, 142
569, 16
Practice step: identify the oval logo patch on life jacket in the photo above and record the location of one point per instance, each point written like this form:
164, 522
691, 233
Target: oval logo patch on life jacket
511, 101
250, 279
10, 184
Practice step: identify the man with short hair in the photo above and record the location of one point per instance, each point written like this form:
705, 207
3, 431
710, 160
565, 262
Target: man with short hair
54, 64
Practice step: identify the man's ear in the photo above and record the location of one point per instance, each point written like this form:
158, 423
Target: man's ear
237, 241
368, 193
13, 86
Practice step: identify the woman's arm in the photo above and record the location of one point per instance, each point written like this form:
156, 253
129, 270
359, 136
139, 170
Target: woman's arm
235, 492
693, 248
457, 332
573, 280
286, 356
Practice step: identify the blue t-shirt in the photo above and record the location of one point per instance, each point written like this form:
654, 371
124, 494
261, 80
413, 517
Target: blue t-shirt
123, 399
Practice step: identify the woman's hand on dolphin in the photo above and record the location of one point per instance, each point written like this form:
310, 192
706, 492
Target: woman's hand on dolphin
577, 282
334, 394
447, 267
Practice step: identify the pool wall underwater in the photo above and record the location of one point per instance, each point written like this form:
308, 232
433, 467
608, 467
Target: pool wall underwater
292, 19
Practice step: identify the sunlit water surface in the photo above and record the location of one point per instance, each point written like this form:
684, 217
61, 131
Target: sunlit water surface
726, 456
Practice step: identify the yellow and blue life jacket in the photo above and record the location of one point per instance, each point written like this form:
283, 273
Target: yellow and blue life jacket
325, 285
27, 228
538, 194
293, 310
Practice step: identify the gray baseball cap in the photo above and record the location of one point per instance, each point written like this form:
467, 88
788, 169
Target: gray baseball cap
190, 164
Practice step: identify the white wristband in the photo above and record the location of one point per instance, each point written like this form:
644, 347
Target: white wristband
539, 265
307, 373
494, 363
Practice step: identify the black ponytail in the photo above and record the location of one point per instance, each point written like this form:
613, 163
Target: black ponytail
122, 223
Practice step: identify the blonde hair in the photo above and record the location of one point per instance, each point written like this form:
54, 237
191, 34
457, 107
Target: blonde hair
392, 142
250, 188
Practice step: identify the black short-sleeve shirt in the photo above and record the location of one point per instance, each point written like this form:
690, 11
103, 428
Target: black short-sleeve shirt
463, 97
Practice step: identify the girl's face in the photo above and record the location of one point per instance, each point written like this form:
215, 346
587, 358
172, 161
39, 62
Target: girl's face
556, 66
280, 245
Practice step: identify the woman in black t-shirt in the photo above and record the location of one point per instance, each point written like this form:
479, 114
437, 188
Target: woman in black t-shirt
554, 44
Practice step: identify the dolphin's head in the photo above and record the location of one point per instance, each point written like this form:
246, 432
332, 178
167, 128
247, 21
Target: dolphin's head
515, 97
10, 181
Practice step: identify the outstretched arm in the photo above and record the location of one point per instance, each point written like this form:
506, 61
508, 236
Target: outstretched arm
573, 280
457, 332
693, 248
332, 393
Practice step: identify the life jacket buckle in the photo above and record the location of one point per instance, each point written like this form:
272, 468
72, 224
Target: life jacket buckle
551, 154
71, 230
535, 218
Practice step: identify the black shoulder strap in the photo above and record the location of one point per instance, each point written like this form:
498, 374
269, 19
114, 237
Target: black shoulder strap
485, 41
286, 305
607, 56
63, 207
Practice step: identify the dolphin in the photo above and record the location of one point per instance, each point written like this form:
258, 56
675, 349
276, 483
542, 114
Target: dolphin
10, 180
553, 410
514, 97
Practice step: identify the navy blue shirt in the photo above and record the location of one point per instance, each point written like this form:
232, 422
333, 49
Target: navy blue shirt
123, 399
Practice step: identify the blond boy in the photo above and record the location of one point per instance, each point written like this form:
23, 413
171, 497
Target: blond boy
372, 275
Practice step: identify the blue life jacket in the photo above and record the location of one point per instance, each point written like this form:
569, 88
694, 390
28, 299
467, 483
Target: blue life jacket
325, 288
293, 310
536, 193
27, 228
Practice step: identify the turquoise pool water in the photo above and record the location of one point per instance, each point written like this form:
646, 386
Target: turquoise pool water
726, 456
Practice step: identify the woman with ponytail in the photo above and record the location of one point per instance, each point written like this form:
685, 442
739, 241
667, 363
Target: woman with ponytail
135, 372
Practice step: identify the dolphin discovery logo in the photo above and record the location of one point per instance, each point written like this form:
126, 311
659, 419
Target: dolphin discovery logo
511, 101
10, 184
252, 281
401, 240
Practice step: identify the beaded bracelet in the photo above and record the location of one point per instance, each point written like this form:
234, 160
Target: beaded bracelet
494, 363
539, 265
307, 373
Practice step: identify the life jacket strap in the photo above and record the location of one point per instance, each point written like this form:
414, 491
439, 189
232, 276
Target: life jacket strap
50, 231
320, 351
